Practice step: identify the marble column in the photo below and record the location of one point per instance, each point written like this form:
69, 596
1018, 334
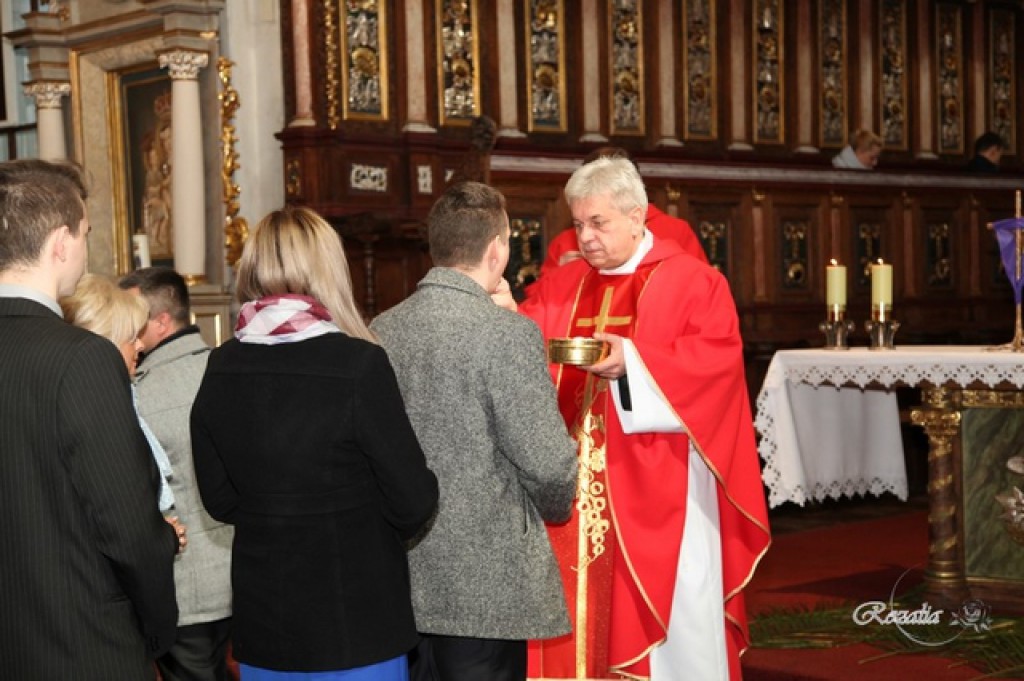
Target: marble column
739, 78
415, 72
303, 115
666, 77
188, 196
49, 117
508, 104
591, 74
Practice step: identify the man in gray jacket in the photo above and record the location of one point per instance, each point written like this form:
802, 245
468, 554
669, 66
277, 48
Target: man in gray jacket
479, 395
167, 380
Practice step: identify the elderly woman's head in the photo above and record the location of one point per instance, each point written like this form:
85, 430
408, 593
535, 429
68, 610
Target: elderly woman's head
120, 316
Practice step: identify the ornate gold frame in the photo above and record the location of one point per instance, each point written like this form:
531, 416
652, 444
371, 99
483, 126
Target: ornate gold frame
532, 70
712, 77
843, 87
778, 30
442, 116
382, 66
904, 99
612, 74
120, 181
957, 18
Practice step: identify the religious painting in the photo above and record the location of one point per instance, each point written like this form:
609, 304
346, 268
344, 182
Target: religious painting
146, 135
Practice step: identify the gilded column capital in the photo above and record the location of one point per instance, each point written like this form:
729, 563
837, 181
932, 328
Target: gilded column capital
47, 93
184, 64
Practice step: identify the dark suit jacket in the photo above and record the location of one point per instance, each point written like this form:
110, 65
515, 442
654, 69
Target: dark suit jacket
86, 584
306, 448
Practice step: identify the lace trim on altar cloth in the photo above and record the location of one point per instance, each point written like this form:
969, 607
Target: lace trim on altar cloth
908, 374
800, 494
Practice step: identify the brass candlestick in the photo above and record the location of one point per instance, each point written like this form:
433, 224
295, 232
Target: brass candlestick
881, 327
836, 328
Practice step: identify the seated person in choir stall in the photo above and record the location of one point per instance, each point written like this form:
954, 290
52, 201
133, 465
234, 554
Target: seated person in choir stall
988, 150
861, 153
665, 441
563, 248
484, 578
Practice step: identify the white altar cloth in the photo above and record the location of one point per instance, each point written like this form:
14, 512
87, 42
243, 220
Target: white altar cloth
829, 422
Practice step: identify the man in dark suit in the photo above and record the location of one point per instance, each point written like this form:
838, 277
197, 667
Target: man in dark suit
86, 584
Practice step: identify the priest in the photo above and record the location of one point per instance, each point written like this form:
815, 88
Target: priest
670, 519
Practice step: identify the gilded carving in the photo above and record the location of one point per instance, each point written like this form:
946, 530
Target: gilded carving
768, 72
713, 237
832, 60
938, 264
794, 261
1002, 106
331, 85
525, 252
459, 61
236, 228
364, 70
293, 178
626, 66
949, 74
893, 85
699, 67
545, 49
868, 247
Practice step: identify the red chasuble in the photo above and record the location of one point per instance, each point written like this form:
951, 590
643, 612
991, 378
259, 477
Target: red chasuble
680, 315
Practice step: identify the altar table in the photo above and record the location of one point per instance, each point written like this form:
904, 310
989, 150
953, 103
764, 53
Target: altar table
829, 426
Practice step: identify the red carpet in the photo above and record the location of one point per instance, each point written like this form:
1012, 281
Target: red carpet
846, 563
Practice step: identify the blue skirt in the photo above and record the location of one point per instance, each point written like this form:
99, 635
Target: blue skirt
395, 669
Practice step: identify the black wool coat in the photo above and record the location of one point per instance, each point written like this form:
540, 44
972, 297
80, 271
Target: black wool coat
306, 449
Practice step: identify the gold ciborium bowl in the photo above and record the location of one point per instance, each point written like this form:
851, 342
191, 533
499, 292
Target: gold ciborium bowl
578, 351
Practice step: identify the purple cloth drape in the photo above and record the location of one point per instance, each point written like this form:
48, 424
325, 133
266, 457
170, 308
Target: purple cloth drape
1006, 236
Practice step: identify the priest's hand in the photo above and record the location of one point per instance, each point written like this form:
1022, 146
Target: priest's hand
502, 296
614, 365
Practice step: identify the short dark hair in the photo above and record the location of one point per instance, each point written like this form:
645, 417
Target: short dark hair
462, 223
36, 198
988, 140
165, 290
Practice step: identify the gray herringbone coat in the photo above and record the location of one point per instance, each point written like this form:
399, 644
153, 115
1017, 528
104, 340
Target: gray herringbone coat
167, 382
478, 392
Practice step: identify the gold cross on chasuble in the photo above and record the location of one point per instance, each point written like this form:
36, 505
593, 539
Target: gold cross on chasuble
603, 319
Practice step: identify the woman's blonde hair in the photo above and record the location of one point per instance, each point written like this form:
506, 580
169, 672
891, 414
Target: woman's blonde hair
98, 305
294, 250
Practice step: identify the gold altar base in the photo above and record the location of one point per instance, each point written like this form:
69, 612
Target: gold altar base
836, 328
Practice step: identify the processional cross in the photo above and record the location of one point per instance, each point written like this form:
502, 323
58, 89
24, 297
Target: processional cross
1010, 236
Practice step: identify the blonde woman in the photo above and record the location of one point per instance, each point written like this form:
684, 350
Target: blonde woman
98, 305
301, 440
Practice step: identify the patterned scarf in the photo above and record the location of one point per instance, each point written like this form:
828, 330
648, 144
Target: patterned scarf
283, 319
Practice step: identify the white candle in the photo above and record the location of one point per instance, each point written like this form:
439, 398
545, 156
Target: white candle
140, 246
835, 284
881, 284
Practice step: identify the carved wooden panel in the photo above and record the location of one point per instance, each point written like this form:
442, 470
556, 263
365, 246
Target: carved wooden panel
894, 72
700, 47
949, 76
545, 56
832, 59
768, 72
526, 252
626, 59
458, 58
1002, 77
364, 61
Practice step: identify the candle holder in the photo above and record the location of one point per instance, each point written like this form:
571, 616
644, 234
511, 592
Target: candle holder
836, 328
881, 327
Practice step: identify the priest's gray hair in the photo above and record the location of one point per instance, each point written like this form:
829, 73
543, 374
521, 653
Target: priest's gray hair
614, 177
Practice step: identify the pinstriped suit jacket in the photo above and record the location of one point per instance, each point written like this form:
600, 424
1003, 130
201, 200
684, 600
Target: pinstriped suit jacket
86, 586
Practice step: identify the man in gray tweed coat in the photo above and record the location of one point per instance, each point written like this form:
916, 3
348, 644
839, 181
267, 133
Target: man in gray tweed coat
479, 395
167, 381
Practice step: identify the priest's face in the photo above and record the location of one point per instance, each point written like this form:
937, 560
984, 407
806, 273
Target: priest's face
607, 237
